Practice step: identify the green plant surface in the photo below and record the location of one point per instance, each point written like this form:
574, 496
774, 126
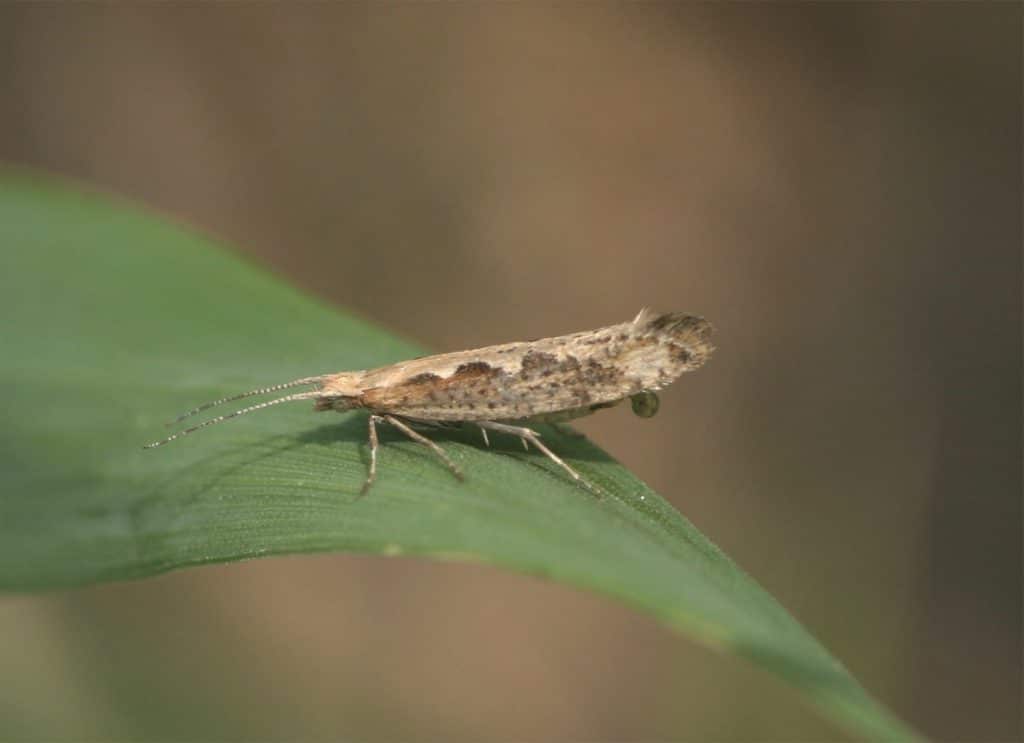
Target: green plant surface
115, 321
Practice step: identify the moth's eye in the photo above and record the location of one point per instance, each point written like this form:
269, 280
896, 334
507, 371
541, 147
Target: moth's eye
645, 404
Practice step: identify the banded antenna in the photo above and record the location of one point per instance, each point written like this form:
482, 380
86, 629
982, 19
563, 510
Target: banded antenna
312, 394
250, 393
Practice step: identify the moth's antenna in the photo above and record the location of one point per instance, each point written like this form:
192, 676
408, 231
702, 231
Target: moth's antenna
229, 416
250, 393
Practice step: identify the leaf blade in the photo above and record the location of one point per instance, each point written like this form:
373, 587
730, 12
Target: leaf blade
124, 321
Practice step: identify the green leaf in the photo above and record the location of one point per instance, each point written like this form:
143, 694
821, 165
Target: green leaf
115, 321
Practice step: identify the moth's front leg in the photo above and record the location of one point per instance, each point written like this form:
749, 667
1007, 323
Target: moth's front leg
416, 436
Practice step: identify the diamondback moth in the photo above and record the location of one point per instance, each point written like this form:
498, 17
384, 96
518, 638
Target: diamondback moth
499, 388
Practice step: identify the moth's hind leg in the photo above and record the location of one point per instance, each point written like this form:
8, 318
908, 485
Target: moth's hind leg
421, 439
529, 436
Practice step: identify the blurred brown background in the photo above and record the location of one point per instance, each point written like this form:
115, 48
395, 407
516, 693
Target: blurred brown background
837, 187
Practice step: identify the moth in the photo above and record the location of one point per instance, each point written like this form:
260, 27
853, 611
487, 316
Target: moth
502, 388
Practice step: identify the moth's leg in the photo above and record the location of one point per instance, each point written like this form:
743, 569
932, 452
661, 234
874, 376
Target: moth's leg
421, 439
487, 441
374, 445
527, 435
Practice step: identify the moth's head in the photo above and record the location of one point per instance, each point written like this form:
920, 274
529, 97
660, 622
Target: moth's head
335, 402
340, 391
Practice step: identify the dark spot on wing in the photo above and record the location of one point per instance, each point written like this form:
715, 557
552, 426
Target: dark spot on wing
596, 374
681, 327
663, 322
473, 369
680, 353
539, 361
569, 364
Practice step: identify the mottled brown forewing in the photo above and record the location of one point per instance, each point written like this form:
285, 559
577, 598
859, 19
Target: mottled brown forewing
533, 379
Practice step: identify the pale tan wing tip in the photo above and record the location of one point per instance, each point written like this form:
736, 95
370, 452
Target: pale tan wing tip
675, 323
693, 331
